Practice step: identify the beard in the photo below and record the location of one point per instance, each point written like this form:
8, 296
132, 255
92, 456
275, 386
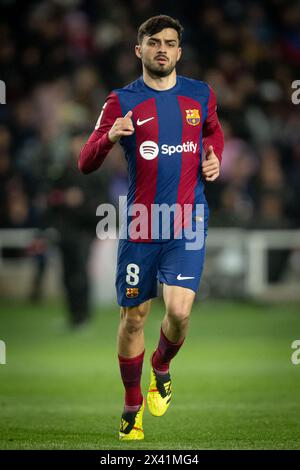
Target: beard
157, 70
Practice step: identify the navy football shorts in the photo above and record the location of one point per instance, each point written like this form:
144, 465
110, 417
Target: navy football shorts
141, 264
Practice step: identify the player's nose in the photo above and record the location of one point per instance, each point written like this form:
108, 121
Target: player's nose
162, 48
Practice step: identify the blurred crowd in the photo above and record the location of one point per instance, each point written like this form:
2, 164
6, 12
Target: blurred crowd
59, 60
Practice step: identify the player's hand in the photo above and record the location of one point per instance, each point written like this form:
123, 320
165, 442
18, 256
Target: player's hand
211, 165
122, 127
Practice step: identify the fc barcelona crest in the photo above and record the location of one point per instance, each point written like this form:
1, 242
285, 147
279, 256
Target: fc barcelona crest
192, 116
132, 292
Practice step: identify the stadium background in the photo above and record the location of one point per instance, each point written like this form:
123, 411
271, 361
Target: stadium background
60, 387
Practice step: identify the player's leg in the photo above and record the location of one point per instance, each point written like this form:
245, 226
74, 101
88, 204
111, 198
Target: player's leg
178, 303
131, 350
136, 284
180, 272
131, 329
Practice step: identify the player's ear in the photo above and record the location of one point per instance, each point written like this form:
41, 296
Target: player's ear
138, 51
179, 53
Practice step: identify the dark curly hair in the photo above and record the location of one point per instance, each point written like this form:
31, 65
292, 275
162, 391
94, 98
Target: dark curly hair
155, 24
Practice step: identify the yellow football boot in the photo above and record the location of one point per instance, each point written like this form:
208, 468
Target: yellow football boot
131, 426
159, 393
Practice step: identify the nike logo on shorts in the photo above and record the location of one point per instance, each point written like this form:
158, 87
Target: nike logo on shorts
140, 123
183, 278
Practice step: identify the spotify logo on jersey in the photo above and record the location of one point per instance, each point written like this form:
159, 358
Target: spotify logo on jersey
149, 150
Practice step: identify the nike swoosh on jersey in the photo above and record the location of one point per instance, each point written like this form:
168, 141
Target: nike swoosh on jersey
140, 123
183, 278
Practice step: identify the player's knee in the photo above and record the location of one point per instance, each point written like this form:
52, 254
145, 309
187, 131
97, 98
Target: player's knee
178, 314
133, 318
134, 323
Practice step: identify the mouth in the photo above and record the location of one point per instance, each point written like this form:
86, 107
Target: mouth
161, 60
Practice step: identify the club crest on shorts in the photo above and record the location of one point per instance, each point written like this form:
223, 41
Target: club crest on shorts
132, 292
192, 117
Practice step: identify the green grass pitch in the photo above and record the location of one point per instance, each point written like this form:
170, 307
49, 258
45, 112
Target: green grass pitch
235, 386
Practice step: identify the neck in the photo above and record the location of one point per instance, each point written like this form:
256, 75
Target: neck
159, 83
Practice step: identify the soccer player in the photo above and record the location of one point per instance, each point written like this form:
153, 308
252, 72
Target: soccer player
173, 142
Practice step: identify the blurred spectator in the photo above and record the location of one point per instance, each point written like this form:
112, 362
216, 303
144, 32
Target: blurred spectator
72, 203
